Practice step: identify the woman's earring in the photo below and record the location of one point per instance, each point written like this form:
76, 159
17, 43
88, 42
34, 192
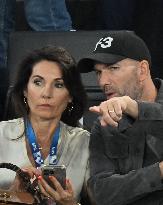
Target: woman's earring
25, 101
70, 108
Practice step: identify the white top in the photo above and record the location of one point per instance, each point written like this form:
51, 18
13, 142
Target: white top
72, 151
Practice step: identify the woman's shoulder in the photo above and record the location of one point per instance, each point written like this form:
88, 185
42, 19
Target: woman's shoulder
74, 129
75, 132
11, 123
12, 128
17, 120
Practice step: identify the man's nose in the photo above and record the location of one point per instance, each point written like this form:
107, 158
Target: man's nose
104, 78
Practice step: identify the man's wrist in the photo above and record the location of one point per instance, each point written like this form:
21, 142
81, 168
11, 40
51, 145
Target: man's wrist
132, 107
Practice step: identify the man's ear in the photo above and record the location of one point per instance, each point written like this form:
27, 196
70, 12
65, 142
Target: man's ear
144, 71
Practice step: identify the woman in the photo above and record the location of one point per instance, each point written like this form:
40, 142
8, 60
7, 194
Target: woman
49, 98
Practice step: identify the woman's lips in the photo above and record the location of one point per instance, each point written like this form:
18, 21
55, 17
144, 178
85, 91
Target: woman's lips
45, 106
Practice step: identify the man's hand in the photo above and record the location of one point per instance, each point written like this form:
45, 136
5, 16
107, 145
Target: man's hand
161, 169
111, 110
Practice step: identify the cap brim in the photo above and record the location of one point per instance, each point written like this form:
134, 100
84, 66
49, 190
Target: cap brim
86, 65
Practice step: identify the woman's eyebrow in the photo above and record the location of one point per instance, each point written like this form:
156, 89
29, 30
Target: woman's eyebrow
39, 76
58, 79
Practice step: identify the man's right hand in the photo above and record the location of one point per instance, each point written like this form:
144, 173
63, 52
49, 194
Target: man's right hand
161, 169
111, 110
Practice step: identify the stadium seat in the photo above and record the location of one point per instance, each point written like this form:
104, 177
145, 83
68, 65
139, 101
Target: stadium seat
78, 43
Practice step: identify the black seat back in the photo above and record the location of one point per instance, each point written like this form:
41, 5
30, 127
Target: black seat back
78, 43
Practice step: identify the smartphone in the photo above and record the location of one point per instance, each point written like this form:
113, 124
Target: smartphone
58, 171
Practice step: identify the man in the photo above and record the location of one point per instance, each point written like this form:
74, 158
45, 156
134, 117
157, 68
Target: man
126, 147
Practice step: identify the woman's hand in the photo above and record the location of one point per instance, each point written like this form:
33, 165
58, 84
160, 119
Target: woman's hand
32, 172
18, 184
111, 110
59, 195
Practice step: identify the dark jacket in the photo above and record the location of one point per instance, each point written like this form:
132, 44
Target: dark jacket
124, 161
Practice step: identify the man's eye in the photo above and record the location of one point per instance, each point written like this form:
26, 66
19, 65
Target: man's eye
59, 85
113, 68
37, 82
97, 72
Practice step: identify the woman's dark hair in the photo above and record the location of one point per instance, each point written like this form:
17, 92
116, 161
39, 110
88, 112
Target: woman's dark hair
71, 78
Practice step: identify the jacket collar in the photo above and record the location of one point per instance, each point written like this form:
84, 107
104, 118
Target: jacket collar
159, 85
18, 128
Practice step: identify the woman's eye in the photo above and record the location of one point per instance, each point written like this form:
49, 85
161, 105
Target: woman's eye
37, 82
59, 85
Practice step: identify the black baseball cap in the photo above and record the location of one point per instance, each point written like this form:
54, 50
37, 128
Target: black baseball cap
113, 47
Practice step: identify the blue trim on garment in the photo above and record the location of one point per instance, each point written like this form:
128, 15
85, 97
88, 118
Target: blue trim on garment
35, 147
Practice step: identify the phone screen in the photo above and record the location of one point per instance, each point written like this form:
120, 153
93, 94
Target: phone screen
58, 171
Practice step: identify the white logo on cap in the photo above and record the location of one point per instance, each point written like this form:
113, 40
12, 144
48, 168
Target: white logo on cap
104, 42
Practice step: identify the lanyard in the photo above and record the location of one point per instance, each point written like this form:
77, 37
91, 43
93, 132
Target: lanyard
35, 148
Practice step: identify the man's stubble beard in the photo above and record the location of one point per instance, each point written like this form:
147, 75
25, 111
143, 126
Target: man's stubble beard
132, 88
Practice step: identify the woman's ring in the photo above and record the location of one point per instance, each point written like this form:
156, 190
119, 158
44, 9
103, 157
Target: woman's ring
111, 111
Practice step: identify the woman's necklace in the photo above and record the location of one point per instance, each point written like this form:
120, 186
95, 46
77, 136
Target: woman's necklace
42, 148
44, 144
